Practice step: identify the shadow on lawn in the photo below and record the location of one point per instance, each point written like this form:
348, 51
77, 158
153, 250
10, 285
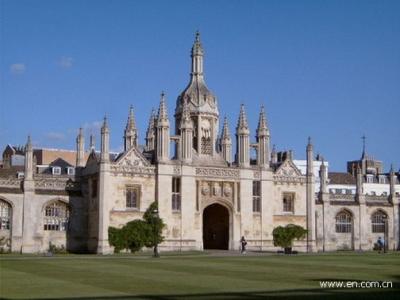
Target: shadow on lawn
326, 294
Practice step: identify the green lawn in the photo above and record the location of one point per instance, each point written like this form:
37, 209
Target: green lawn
195, 276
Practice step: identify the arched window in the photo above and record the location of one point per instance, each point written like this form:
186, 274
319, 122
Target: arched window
5, 215
378, 221
56, 216
343, 222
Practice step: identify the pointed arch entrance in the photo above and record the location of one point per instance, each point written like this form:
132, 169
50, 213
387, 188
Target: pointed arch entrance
216, 227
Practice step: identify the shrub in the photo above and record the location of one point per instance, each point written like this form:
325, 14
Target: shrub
284, 236
138, 233
54, 249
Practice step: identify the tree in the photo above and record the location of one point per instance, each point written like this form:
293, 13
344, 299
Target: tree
156, 224
284, 236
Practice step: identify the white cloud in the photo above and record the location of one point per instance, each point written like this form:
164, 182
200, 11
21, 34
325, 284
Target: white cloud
18, 68
92, 127
65, 62
55, 136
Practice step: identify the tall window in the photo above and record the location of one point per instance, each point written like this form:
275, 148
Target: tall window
176, 194
5, 215
132, 197
378, 222
344, 222
56, 216
256, 196
288, 202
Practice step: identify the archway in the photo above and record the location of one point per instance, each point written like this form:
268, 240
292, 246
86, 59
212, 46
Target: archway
216, 227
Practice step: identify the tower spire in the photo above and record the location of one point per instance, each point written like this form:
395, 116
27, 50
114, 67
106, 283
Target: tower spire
163, 137
162, 110
130, 133
242, 123
151, 131
105, 142
262, 140
363, 152
226, 142
197, 56
225, 130
262, 121
80, 149
243, 140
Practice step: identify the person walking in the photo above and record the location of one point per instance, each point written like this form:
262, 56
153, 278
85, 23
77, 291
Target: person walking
243, 244
381, 244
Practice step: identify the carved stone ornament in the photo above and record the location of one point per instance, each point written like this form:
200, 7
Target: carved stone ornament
227, 190
205, 190
217, 172
177, 170
217, 189
10, 182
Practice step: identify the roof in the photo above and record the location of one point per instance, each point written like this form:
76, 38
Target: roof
59, 162
11, 172
341, 178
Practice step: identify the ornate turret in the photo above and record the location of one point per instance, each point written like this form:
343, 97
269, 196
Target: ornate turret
80, 149
186, 139
151, 131
163, 138
130, 133
243, 140
105, 142
262, 140
202, 105
226, 142
323, 178
28, 159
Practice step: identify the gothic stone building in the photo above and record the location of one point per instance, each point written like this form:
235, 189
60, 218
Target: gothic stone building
207, 198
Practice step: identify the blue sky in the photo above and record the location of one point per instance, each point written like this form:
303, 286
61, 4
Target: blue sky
325, 69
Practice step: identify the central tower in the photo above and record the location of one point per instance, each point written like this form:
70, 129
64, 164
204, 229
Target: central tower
201, 105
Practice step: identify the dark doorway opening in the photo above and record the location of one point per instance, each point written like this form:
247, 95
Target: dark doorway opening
215, 227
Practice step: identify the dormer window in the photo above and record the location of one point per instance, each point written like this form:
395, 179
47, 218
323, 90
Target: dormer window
382, 179
71, 171
370, 179
56, 171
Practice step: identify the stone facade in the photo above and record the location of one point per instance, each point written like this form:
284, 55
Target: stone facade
206, 197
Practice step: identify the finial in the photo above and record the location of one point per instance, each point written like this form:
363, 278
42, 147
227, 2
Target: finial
105, 121
262, 122
225, 129
28, 146
363, 139
162, 110
242, 118
273, 148
131, 125
309, 140
197, 39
